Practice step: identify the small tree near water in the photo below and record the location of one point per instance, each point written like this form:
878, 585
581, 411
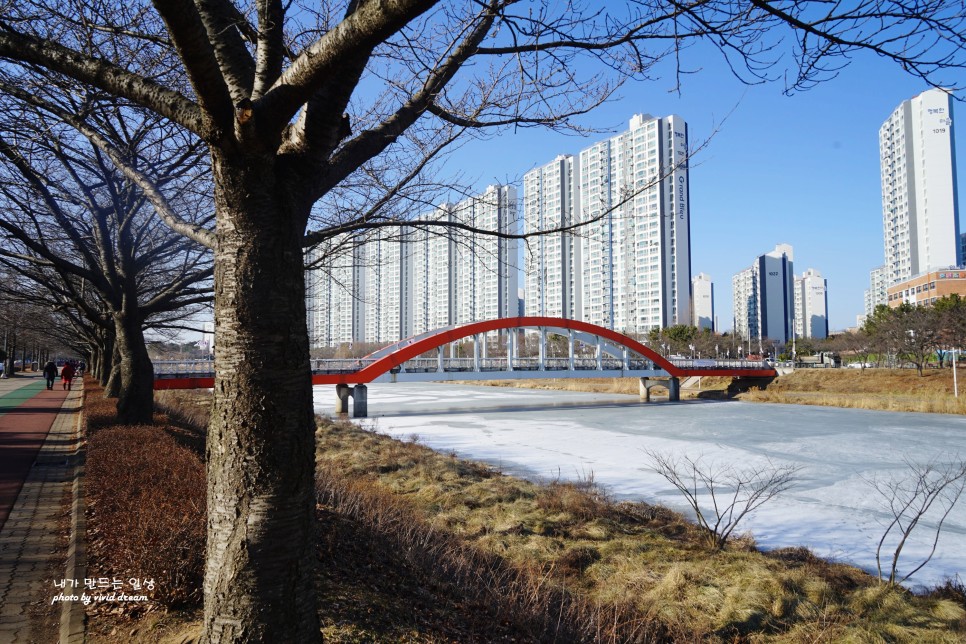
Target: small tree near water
923, 495
722, 495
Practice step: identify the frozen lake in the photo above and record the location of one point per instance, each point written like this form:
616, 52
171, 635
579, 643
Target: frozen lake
832, 509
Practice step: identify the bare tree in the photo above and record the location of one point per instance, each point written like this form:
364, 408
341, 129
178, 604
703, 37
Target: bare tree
80, 226
721, 496
921, 493
297, 103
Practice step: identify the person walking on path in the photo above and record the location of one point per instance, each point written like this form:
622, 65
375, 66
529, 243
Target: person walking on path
50, 373
66, 375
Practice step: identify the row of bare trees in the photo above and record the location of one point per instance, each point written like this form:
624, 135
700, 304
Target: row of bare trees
912, 334
82, 241
312, 121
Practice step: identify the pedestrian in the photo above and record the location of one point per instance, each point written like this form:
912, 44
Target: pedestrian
50, 373
66, 375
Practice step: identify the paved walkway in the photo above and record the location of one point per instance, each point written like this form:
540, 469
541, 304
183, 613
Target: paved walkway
39, 432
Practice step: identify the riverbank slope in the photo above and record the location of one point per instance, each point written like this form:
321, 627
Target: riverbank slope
880, 389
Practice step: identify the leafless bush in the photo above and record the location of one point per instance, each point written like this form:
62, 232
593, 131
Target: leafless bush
584, 500
721, 496
922, 490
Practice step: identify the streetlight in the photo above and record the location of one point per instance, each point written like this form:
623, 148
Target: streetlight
955, 384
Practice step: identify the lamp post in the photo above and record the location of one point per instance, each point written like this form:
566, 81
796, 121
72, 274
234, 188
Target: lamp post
955, 384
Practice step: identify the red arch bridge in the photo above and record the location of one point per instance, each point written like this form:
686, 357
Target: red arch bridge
581, 350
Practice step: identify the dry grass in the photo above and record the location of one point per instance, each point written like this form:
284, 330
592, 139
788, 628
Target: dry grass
603, 567
876, 389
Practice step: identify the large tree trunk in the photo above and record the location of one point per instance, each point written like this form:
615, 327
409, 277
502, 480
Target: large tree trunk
135, 396
259, 576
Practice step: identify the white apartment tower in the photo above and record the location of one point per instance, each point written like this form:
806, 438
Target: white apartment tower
702, 302
628, 267
920, 218
420, 277
745, 289
433, 286
811, 305
764, 297
388, 293
485, 267
876, 294
335, 314
552, 268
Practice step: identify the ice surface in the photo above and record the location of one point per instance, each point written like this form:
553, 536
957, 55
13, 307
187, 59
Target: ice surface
832, 509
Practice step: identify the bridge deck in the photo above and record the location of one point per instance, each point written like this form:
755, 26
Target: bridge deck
200, 375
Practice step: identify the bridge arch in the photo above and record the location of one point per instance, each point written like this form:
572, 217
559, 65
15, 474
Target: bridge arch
396, 354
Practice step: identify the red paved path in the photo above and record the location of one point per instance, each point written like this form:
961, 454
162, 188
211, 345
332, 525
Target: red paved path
23, 429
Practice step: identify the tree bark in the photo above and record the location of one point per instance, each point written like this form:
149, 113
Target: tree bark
135, 395
112, 385
259, 577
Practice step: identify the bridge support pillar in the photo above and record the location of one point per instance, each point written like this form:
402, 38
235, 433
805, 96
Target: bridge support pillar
673, 389
342, 393
645, 390
360, 402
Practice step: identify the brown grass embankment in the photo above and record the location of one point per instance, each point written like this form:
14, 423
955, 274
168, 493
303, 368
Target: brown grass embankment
876, 389
645, 564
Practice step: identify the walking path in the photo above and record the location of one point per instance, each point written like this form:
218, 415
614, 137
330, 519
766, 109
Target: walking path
39, 435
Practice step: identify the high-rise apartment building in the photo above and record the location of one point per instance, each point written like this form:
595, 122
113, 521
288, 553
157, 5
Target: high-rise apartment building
415, 279
764, 299
811, 305
876, 295
744, 285
335, 314
551, 201
387, 295
920, 218
433, 286
485, 267
702, 302
629, 268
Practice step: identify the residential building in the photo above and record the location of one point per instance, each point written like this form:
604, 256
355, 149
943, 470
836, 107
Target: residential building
811, 305
335, 315
433, 286
764, 300
420, 277
920, 218
485, 267
552, 267
629, 266
387, 266
925, 289
876, 294
702, 302
745, 288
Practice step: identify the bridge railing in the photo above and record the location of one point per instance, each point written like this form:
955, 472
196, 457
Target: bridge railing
198, 368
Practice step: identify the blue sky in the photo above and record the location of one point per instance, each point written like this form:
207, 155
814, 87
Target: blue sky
800, 169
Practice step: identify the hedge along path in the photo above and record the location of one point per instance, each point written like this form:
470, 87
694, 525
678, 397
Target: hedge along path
26, 416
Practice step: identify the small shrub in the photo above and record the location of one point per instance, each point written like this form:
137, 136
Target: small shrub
584, 501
